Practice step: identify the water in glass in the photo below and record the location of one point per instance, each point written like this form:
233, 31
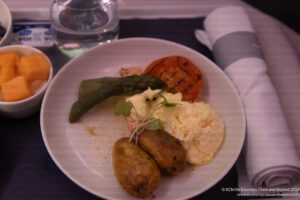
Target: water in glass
80, 24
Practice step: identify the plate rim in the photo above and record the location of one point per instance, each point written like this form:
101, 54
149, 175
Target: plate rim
124, 40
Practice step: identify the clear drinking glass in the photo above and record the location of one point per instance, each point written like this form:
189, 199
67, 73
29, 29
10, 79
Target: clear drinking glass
80, 24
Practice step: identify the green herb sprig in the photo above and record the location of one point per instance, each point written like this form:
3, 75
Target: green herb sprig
148, 122
123, 108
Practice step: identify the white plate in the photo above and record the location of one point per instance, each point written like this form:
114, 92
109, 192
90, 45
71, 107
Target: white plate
83, 150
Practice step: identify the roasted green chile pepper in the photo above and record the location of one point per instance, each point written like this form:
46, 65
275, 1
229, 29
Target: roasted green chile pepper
94, 91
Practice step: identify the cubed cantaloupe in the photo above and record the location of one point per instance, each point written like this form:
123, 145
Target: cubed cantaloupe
8, 62
9, 58
16, 89
34, 67
7, 72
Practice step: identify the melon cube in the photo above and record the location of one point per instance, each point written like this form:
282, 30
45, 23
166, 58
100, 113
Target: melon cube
9, 58
7, 72
16, 89
34, 67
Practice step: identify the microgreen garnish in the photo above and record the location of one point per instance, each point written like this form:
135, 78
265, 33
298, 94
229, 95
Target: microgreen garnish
123, 108
148, 122
165, 102
154, 124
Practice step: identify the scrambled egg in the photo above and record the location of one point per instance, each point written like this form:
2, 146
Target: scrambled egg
199, 128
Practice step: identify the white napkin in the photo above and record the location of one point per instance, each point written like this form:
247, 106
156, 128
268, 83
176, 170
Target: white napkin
270, 156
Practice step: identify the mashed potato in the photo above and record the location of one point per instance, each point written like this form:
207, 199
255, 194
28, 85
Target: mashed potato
199, 128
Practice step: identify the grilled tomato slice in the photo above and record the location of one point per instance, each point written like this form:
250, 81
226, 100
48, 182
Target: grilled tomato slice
180, 74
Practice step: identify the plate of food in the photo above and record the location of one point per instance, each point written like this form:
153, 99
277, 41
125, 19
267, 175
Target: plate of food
143, 118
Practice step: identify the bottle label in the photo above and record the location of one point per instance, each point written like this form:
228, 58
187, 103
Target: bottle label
36, 34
